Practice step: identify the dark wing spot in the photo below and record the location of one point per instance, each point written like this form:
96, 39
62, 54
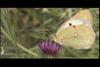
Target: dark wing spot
74, 26
70, 24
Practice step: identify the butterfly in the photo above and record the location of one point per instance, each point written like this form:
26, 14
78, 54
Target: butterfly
77, 32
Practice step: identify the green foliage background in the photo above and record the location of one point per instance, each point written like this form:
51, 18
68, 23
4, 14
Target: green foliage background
23, 28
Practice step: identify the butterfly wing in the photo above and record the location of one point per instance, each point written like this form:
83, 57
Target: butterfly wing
83, 15
81, 37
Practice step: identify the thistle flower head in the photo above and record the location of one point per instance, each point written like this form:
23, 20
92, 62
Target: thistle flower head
49, 47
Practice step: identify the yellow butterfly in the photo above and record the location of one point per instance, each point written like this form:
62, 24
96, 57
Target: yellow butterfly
77, 32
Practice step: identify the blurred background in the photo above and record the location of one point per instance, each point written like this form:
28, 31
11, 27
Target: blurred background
23, 28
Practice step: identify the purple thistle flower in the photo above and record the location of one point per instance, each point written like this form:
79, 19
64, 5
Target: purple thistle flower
49, 47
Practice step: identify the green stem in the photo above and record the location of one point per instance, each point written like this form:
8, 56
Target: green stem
19, 45
28, 51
